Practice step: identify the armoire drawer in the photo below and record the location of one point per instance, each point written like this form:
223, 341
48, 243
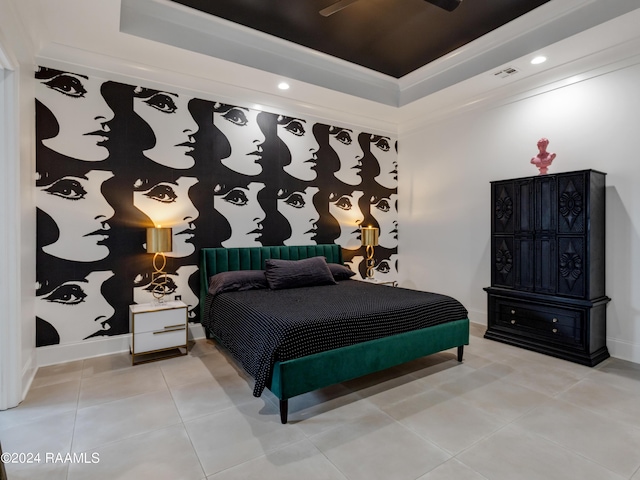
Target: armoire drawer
563, 325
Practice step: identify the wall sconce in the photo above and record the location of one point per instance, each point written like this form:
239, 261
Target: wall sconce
159, 241
369, 237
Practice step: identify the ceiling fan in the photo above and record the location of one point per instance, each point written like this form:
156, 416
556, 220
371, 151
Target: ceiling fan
448, 5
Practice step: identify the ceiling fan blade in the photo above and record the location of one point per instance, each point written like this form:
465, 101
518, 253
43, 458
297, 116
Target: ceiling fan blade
336, 7
448, 5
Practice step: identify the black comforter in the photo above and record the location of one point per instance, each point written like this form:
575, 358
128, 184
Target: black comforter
260, 327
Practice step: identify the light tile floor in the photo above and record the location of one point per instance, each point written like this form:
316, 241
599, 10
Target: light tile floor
504, 413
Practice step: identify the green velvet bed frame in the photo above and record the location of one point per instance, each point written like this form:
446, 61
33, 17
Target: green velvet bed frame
301, 375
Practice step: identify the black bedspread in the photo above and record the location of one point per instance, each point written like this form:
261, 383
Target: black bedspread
260, 327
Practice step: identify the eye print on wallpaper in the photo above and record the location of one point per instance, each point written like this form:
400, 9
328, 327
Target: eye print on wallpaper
344, 208
240, 128
240, 214
177, 284
296, 205
385, 265
167, 204
345, 143
385, 152
79, 211
297, 135
168, 116
385, 212
80, 111
69, 310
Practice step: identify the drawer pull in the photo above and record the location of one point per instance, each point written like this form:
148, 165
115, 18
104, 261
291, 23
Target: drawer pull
555, 330
513, 322
179, 325
555, 320
169, 331
513, 312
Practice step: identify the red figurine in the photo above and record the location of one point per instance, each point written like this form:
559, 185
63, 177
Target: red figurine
543, 159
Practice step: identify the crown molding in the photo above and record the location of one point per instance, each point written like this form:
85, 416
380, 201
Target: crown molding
174, 24
315, 104
458, 100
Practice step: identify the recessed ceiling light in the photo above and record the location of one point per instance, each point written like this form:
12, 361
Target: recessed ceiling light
538, 60
283, 86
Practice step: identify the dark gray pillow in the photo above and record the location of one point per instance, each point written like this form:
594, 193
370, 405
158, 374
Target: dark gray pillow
237, 281
340, 272
298, 273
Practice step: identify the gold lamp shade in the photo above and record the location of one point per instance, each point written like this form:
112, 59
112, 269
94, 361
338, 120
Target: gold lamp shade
369, 236
159, 240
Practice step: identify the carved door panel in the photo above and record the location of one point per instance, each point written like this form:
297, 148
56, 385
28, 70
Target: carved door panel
524, 219
524, 262
546, 264
545, 204
571, 266
502, 250
571, 204
503, 205
571, 207
502, 272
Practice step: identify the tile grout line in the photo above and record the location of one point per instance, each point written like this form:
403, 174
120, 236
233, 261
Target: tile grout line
75, 417
186, 431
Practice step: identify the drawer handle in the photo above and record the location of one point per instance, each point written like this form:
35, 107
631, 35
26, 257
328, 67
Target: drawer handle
555, 320
513, 312
174, 326
513, 322
555, 330
169, 331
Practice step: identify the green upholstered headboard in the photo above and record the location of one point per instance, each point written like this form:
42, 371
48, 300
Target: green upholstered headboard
216, 260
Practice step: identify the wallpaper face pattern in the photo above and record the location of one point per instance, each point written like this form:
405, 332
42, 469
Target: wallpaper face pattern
113, 159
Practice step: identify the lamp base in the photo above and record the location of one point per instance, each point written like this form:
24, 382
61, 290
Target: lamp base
159, 279
370, 262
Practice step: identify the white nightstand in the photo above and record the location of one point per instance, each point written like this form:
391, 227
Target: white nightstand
157, 328
390, 283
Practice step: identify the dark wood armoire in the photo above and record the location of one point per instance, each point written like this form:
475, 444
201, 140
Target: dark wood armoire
547, 288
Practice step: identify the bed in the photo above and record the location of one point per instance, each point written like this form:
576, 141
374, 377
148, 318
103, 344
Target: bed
296, 340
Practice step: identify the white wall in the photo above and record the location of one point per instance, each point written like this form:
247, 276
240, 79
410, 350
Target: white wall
446, 167
17, 240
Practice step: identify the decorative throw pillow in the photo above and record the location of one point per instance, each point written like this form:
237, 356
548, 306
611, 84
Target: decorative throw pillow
298, 273
340, 272
236, 281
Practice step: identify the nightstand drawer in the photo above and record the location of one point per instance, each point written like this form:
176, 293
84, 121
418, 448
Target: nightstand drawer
159, 340
159, 320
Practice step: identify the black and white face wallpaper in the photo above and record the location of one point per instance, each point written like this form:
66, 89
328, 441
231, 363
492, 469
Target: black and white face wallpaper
113, 159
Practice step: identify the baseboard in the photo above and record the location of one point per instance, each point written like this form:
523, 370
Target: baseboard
29, 373
478, 316
623, 350
98, 347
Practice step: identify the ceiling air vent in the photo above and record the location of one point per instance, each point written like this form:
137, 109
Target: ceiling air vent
506, 72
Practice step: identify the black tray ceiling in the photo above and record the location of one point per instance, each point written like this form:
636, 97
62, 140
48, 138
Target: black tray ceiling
394, 37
